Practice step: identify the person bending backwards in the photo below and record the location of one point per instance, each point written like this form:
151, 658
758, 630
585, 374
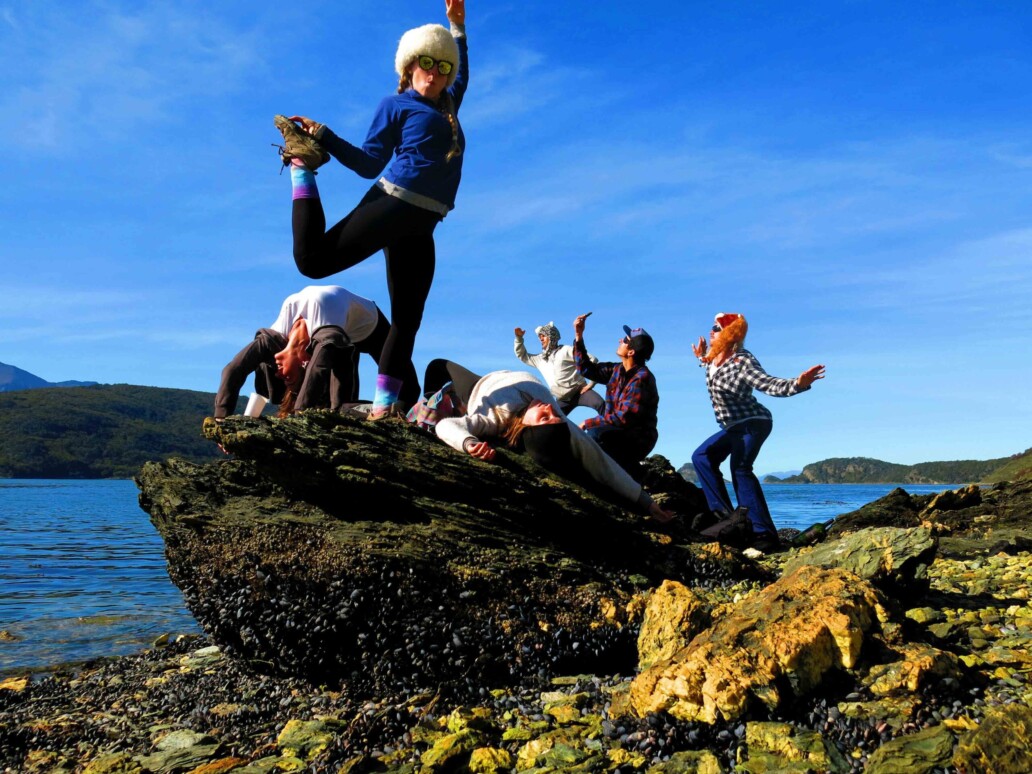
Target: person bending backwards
419, 127
626, 429
557, 364
308, 358
732, 373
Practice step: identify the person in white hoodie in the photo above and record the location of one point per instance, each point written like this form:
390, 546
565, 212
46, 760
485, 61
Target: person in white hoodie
515, 407
556, 363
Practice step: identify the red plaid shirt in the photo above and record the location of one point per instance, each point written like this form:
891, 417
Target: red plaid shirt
632, 398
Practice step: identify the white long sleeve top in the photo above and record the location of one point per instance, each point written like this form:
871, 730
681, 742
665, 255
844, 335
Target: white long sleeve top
559, 369
501, 394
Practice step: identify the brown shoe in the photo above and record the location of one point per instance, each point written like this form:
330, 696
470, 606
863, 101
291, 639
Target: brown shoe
384, 412
298, 144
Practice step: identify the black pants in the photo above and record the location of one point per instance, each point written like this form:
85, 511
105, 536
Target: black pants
373, 345
439, 372
404, 232
627, 446
329, 379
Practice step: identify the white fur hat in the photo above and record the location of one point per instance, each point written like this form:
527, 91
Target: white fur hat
429, 40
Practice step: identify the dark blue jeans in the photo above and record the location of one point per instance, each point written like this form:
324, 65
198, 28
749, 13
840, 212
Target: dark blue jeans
742, 443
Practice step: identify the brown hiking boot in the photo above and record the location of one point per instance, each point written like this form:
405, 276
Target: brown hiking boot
298, 144
386, 412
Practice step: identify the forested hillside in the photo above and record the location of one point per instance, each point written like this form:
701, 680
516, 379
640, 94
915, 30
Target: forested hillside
864, 470
104, 431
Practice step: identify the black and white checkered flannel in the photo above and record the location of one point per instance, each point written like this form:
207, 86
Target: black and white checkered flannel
731, 389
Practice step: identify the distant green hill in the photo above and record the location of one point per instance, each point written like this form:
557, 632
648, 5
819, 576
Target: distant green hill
1015, 468
104, 431
864, 470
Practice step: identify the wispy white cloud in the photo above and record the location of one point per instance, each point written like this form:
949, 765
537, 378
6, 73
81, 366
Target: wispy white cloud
50, 302
516, 82
7, 14
93, 73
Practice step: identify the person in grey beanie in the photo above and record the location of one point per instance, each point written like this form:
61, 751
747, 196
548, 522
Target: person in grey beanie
559, 369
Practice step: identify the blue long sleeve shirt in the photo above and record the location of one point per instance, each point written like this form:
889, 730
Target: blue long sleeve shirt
410, 128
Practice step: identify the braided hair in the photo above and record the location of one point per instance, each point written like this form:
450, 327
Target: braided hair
446, 106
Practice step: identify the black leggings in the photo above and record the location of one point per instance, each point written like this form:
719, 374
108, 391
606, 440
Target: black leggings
403, 231
439, 372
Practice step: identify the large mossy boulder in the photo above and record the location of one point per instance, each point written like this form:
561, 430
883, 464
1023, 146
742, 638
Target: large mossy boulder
778, 644
894, 559
335, 548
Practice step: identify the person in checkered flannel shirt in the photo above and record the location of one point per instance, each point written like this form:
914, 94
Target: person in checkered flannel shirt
732, 373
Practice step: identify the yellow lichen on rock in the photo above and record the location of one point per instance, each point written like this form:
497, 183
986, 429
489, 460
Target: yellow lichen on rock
673, 616
797, 629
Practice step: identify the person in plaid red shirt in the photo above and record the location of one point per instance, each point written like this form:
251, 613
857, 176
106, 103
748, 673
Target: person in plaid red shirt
626, 429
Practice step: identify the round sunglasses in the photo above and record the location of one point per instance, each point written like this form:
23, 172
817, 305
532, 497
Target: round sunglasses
428, 62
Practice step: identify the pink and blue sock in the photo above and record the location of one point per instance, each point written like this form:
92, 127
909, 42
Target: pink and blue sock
387, 390
302, 181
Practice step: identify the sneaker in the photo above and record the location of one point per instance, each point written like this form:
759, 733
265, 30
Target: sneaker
299, 145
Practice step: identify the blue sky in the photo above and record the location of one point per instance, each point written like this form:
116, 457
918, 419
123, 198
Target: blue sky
854, 177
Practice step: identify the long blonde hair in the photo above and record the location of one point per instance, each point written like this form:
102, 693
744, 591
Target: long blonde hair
445, 105
512, 424
729, 340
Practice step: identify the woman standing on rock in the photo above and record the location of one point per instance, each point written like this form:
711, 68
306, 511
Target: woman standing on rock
732, 373
419, 127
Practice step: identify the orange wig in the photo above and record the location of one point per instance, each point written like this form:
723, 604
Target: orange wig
729, 340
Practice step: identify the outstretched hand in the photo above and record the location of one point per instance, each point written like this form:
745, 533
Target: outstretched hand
520, 333
456, 10
810, 375
660, 515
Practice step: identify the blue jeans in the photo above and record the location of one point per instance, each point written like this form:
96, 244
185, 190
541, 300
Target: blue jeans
742, 443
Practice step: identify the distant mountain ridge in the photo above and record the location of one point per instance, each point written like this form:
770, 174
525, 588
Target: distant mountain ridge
864, 470
102, 431
13, 378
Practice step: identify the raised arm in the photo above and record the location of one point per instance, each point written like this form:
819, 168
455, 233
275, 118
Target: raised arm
521, 349
456, 10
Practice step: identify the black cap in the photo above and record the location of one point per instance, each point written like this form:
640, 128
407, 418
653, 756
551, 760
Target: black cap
549, 446
639, 340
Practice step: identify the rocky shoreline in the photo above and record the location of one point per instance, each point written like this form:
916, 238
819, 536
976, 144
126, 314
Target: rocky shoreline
186, 706
900, 644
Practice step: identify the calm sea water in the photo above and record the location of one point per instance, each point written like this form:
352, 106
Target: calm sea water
82, 571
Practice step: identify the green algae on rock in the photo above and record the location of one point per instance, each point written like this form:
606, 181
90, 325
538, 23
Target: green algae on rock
894, 559
1002, 744
780, 747
923, 752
